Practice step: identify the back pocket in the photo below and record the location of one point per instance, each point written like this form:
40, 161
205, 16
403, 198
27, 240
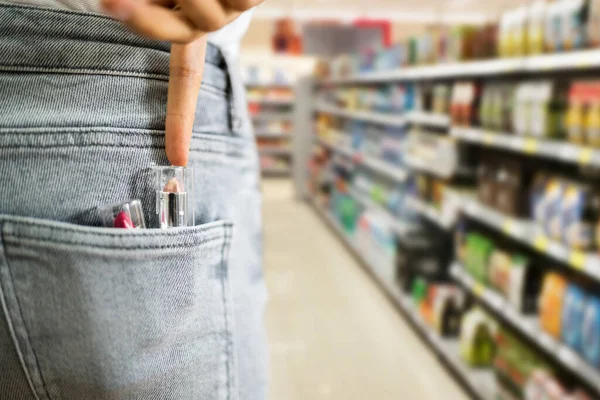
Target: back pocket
114, 314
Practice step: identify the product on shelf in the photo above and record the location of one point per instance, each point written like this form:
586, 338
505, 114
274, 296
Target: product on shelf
426, 254
477, 332
591, 332
448, 307
485, 42
478, 252
460, 45
593, 27
551, 304
583, 116
580, 214
441, 99
575, 24
519, 31
535, 32
572, 316
419, 291
465, 100
516, 279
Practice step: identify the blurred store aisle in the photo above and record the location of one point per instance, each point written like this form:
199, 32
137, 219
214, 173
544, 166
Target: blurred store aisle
332, 332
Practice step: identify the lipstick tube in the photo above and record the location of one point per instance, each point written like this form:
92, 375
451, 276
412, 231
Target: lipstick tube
126, 215
174, 188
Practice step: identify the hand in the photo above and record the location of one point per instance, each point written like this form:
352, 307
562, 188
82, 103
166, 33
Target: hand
178, 21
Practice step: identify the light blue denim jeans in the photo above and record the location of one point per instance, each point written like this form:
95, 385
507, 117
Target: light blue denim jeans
90, 313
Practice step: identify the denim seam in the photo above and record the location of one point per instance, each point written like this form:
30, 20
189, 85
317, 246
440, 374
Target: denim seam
113, 247
32, 363
224, 294
11, 327
195, 150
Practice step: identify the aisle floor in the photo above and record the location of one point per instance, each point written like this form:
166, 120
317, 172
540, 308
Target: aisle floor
333, 334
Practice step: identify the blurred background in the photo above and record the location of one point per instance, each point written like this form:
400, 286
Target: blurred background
431, 197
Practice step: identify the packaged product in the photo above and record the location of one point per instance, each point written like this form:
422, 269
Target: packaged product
553, 33
485, 106
413, 51
505, 34
552, 206
447, 309
461, 42
551, 301
548, 109
535, 36
574, 121
477, 344
572, 317
537, 197
520, 31
485, 42
591, 332
593, 25
592, 117
580, 212
479, 250
441, 95
486, 183
511, 180
499, 270
575, 24
523, 108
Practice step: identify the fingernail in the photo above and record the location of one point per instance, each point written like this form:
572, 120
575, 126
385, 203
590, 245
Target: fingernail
117, 9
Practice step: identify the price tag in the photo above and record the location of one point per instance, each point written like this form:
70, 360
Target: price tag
577, 259
530, 146
585, 156
479, 289
541, 243
488, 138
508, 227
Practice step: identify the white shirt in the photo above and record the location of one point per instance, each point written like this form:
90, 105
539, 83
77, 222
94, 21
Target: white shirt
227, 38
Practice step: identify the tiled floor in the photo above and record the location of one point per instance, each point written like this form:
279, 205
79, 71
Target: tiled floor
332, 332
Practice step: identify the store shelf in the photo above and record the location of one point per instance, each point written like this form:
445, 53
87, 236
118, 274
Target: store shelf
268, 101
369, 116
271, 135
419, 164
529, 234
429, 119
529, 327
274, 151
434, 215
273, 116
394, 172
576, 60
481, 382
276, 171
558, 150
269, 85
400, 227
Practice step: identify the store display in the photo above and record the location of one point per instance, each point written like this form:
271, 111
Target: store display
477, 344
572, 316
591, 332
551, 304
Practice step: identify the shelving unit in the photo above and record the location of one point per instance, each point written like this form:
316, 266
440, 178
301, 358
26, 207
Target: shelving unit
369, 116
400, 227
272, 116
529, 327
576, 60
480, 383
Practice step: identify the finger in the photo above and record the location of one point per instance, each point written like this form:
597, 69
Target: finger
240, 5
187, 65
152, 20
207, 15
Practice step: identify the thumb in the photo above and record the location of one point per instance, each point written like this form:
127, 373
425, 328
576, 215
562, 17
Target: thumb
186, 67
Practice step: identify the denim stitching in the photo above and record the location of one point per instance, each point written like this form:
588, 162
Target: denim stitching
86, 71
17, 309
11, 327
224, 274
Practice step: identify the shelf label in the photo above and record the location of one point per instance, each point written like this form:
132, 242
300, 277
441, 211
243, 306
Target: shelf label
541, 243
530, 146
508, 227
585, 156
479, 289
577, 259
488, 138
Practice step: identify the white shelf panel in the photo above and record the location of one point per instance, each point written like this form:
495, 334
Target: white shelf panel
396, 173
369, 116
481, 381
576, 60
529, 234
431, 213
528, 326
429, 119
559, 150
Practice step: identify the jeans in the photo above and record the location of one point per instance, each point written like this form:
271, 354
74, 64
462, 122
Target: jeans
95, 313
